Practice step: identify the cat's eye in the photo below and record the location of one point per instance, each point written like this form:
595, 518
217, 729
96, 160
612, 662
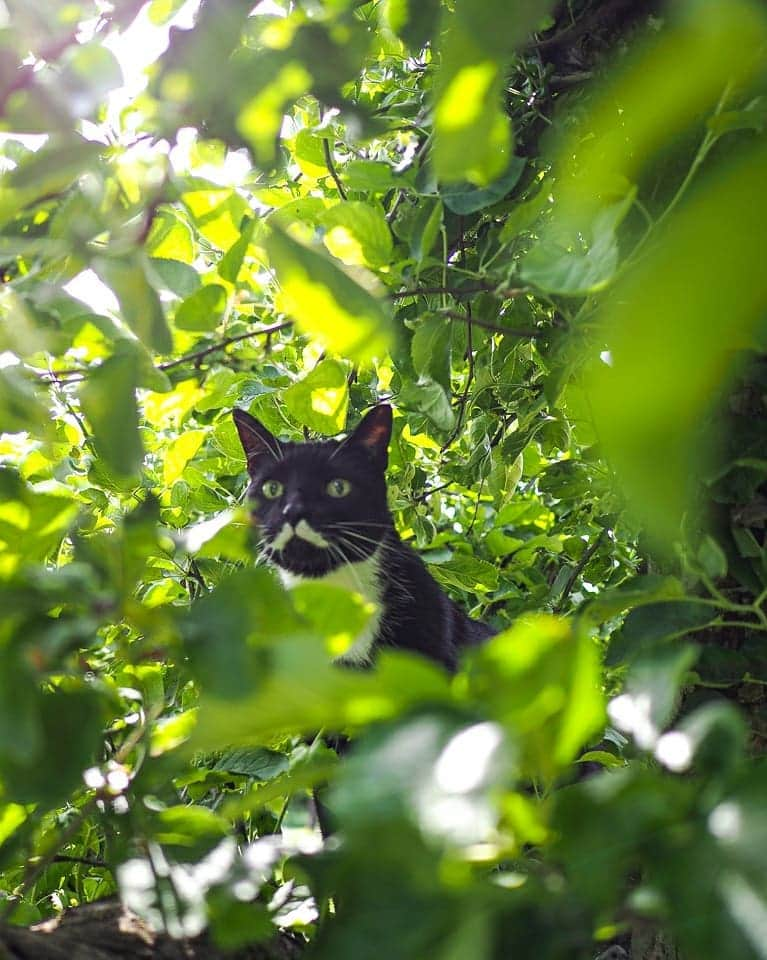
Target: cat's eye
338, 487
271, 489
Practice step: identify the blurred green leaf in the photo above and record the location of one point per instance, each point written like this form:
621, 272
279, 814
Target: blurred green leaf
659, 320
70, 735
542, 679
108, 400
326, 302
473, 139
140, 306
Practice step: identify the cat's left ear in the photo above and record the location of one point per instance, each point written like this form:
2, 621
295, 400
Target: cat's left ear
374, 433
256, 440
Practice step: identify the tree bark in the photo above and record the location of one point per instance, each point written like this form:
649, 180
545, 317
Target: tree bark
106, 931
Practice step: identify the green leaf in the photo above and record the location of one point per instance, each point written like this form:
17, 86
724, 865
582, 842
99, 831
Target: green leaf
160, 11
320, 400
357, 233
334, 614
88, 72
651, 693
542, 679
754, 117
108, 399
633, 592
326, 302
306, 693
217, 213
712, 558
188, 826
419, 226
472, 134
429, 397
662, 320
20, 406
230, 263
173, 275
170, 237
259, 763
577, 266
368, 176
310, 155
51, 169
466, 573
414, 21
226, 631
654, 622
430, 350
70, 726
179, 453
465, 198
235, 924
203, 310
139, 304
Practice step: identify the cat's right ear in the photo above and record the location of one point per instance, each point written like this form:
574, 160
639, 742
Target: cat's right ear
256, 440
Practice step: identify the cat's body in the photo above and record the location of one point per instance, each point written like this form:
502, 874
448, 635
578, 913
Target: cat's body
321, 510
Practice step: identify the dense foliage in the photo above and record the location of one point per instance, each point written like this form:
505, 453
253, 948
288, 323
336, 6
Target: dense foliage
537, 230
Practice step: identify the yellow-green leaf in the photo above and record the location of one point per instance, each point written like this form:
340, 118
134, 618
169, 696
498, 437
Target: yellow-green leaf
326, 302
321, 399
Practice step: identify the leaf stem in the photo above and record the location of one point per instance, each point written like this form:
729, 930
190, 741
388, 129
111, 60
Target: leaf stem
332, 168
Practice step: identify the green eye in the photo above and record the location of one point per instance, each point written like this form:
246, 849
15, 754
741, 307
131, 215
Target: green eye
338, 487
271, 489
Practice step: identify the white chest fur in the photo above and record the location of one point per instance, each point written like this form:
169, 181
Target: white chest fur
363, 577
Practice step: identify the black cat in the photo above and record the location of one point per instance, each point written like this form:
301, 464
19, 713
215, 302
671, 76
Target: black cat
321, 510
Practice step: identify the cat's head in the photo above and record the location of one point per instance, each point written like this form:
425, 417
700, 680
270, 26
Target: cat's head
318, 505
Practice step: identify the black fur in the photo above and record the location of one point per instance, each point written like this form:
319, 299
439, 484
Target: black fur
417, 614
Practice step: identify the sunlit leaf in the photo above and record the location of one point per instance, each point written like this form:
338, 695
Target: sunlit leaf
326, 302
473, 138
320, 400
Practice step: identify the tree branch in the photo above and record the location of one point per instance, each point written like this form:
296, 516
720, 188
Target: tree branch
223, 344
495, 328
504, 293
75, 375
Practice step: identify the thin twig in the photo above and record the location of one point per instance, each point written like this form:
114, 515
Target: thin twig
425, 494
588, 553
494, 327
504, 293
75, 375
332, 168
222, 344
86, 861
469, 354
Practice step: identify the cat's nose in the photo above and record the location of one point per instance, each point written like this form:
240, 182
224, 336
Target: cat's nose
293, 511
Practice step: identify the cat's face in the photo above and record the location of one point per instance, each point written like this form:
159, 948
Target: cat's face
318, 505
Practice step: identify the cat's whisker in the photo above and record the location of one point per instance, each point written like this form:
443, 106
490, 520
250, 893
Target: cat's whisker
358, 523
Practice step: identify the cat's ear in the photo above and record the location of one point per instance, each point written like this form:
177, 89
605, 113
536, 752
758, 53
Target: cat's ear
256, 440
374, 433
